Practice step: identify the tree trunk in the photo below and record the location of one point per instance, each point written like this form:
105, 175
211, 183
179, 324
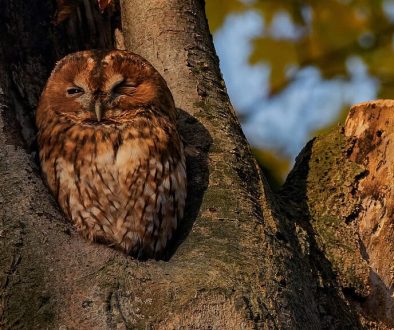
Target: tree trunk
244, 258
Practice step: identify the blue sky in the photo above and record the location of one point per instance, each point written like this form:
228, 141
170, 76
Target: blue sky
283, 123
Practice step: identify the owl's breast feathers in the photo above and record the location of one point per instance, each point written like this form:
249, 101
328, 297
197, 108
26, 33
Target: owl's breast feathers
121, 184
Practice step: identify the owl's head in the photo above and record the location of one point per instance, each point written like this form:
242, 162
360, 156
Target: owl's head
98, 87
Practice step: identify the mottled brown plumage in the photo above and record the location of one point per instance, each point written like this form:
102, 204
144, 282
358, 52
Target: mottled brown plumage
110, 151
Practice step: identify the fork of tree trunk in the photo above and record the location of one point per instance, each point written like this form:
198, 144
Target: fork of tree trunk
316, 255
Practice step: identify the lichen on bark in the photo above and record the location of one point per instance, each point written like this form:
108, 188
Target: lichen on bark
328, 194
244, 257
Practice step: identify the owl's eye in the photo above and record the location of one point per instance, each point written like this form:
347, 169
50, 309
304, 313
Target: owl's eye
125, 88
72, 91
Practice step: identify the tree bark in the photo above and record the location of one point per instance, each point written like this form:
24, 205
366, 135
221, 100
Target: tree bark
243, 257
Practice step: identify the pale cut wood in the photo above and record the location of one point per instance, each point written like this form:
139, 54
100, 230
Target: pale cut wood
245, 258
370, 125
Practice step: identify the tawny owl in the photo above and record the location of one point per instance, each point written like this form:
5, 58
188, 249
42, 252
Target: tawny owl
110, 150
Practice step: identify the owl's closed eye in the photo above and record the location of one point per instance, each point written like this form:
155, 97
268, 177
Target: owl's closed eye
110, 150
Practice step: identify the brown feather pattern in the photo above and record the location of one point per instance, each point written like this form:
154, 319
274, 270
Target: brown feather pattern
120, 180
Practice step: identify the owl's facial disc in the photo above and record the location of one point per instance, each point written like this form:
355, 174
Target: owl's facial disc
100, 88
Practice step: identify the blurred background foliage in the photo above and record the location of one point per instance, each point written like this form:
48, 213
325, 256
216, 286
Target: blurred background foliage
293, 67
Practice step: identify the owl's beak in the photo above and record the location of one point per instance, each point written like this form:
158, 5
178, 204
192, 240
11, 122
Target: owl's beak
98, 109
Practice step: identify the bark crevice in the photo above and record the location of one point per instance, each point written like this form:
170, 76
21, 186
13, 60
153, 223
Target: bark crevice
244, 257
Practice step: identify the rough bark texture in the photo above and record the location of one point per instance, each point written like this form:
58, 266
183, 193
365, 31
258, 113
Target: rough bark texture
341, 189
244, 258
